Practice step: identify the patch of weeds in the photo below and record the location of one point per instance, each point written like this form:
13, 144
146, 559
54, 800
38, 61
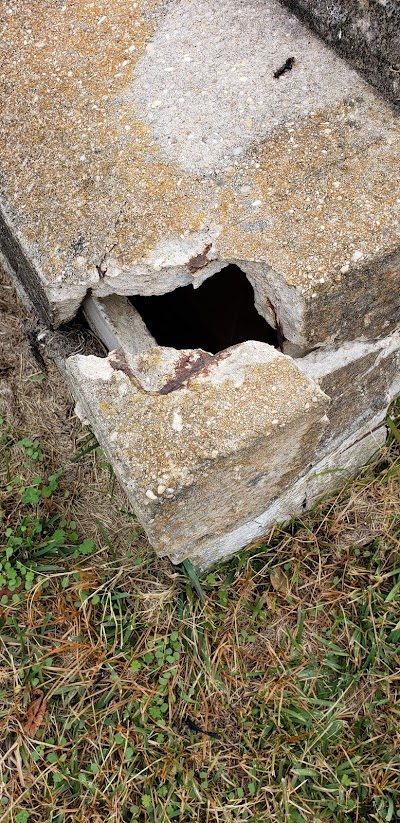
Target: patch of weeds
393, 424
29, 535
31, 448
291, 654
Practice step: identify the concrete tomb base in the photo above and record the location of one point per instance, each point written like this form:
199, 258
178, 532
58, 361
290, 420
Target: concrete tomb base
230, 230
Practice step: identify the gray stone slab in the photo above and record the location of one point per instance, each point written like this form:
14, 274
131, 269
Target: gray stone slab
145, 146
366, 32
360, 378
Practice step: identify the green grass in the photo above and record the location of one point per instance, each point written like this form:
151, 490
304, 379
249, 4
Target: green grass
293, 658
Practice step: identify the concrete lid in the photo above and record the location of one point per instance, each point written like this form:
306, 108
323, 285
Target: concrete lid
145, 145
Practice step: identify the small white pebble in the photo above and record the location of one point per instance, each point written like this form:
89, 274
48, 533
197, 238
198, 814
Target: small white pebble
177, 422
161, 489
256, 203
357, 256
151, 495
345, 268
274, 422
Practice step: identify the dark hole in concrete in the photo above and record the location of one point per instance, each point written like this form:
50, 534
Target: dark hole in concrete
213, 317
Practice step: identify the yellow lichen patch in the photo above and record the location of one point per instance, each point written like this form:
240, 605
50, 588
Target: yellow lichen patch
322, 195
149, 359
80, 172
105, 408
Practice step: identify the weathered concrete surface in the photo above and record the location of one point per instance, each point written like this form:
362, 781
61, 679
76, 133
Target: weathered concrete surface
328, 473
200, 442
360, 378
367, 32
113, 184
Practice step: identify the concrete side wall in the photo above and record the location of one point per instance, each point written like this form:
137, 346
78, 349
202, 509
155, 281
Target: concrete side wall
366, 32
24, 270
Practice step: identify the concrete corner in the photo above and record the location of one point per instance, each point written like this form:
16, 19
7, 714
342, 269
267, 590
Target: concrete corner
198, 441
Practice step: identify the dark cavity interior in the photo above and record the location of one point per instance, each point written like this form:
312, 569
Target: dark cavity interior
213, 317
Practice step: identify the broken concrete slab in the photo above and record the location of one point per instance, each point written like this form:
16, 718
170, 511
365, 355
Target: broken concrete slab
117, 324
200, 443
113, 185
366, 32
148, 146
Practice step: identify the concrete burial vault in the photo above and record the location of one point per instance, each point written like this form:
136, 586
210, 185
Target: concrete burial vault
232, 237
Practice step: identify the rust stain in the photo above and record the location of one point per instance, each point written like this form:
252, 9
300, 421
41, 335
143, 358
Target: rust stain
280, 337
199, 261
185, 369
118, 362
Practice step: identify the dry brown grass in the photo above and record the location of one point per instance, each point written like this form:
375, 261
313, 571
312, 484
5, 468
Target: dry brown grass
44, 409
